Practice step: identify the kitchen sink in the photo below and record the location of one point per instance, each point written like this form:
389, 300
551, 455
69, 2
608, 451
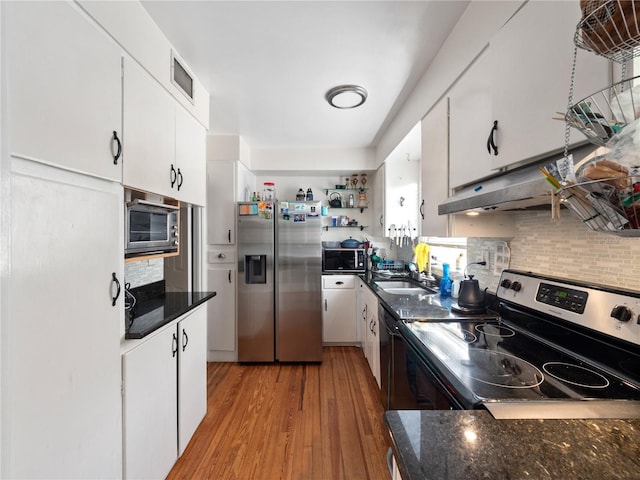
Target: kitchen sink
402, 287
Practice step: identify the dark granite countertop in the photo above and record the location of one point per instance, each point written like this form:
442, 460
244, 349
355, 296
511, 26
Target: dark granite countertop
152, 313
471, 444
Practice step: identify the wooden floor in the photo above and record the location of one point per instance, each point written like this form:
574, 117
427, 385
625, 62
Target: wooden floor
290, 421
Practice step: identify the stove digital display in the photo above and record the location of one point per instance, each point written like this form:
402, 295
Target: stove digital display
561, 297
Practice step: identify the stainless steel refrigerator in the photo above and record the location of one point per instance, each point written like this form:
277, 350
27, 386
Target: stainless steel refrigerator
279, 282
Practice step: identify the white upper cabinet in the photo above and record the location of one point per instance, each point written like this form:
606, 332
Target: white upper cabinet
64, 89
435, 155
149, 133
191, 154
164, 146
470, 124
530, 68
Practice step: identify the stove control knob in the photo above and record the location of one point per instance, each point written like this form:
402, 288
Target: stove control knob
516, 286
622, 313
506, 283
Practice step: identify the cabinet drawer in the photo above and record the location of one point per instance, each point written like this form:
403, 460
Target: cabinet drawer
221, 256
338, 281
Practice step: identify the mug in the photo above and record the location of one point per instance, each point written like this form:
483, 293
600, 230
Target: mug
334, 221
324, 211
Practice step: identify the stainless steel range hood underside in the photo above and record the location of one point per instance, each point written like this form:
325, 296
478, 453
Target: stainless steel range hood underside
524, 188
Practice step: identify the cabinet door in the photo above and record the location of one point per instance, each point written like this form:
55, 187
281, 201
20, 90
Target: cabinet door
435, 155
377, 196
374, 361
361, 313
149, 133
63, 354
151, 406
221, 204
530, 74
338, 320
192, 374
470, 124
64, 86
221, 278
191, 159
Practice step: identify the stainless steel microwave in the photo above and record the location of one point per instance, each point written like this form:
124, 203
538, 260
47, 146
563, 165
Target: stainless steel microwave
343, 260
150, 228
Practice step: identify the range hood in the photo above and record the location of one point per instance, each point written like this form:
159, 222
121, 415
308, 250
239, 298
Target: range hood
518, 189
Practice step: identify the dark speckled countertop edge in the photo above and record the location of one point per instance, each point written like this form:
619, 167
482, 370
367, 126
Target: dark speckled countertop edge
465, 444
200, 298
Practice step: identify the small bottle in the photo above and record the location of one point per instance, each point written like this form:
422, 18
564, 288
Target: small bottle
445, 283
459, 262
253, 197
309, 195
455, 285
300, 196
351, 201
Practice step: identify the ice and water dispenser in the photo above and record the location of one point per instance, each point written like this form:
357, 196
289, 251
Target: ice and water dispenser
255, 269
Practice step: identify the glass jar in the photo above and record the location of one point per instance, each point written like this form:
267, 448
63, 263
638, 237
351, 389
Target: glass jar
269, 192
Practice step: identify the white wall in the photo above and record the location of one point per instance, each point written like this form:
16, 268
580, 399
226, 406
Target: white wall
282, 160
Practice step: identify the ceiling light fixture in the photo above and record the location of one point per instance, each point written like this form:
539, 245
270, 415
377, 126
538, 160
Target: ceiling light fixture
346, 96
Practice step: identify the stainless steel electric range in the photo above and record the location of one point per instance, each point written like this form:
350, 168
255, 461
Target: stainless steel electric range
555, 348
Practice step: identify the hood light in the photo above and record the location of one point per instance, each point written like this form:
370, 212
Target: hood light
346, 96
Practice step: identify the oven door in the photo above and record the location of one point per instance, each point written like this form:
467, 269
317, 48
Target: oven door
414, 386
151, 228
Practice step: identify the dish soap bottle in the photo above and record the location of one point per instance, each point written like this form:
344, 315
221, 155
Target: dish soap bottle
445, 283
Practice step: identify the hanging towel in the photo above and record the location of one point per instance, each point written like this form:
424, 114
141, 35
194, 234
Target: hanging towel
422, 256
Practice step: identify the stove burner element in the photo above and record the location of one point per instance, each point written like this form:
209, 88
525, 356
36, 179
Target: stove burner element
503, 369
494, 330
575, 375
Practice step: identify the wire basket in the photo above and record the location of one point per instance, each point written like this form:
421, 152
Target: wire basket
609, 28
603, 114
604, 208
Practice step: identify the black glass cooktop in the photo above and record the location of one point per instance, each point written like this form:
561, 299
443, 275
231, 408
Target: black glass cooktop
492, 360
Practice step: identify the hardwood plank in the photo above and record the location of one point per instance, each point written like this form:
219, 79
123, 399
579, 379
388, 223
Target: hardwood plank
290, 421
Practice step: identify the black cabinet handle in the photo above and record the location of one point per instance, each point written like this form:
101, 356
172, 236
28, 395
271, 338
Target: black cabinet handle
174, 345
339, 283
229, 276
173, 176
325, 304
179, 179
115, 280
185, 339
422, 209
491, 140
116, 155
229, 235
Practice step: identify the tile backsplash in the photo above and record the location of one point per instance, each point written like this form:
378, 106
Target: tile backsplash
564, 248
144, 272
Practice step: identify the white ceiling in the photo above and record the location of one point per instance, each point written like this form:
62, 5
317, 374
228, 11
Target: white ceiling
268, 64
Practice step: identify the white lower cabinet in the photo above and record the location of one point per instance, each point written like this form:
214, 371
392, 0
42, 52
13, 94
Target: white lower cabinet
164, 381
62, 358
372, 339
221, 278
338, 307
